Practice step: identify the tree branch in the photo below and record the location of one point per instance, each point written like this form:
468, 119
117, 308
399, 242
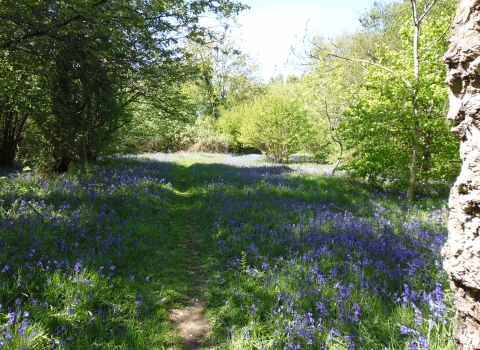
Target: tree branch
405, 81
414, 11
42, 32
435, 42
427, 9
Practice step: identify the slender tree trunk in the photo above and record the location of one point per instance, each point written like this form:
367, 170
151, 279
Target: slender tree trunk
416, 78
9, 141
339, 158
414, 165
334, 134
462, 249
417, 20
426, 156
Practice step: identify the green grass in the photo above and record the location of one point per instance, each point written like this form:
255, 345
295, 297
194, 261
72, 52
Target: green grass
96, 258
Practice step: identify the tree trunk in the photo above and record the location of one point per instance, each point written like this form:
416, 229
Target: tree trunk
462, 250
416, 77
426, 157
414, 165
7, 138
11, 128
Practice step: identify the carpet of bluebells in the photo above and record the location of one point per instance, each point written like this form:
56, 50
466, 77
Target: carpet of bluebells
307, 261
295, 259
79, 257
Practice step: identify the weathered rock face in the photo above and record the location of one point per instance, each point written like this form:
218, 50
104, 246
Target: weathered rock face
462, 250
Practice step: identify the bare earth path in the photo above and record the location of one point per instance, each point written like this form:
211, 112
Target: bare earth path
189, 317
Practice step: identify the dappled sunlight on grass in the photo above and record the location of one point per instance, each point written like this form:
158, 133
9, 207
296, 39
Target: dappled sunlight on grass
310, 261
289, 258
89, 258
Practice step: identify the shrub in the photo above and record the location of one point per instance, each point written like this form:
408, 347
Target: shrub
230, 122
211, 144
277, 124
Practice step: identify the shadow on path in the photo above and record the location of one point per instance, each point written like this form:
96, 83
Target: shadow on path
184, 213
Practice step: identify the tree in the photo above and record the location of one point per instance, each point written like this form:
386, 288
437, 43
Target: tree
92, 58
462, 251
330, 89
162, 114
87, 101
329, 110
19, 100
278, 79
214, 77
401, 106
225, 77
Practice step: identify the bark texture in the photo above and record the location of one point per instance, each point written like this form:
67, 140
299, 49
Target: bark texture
462, 250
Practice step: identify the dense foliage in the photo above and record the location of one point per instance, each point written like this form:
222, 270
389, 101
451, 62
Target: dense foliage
81, 63
392, 117
277, 124
381, 128
92, 78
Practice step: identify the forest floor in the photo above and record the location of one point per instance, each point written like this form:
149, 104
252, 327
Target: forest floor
195, 251
189, 317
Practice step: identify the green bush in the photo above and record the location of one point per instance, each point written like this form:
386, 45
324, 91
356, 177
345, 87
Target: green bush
277, 124
205, 137
211, 144
155, 130
230, 122
203, 127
